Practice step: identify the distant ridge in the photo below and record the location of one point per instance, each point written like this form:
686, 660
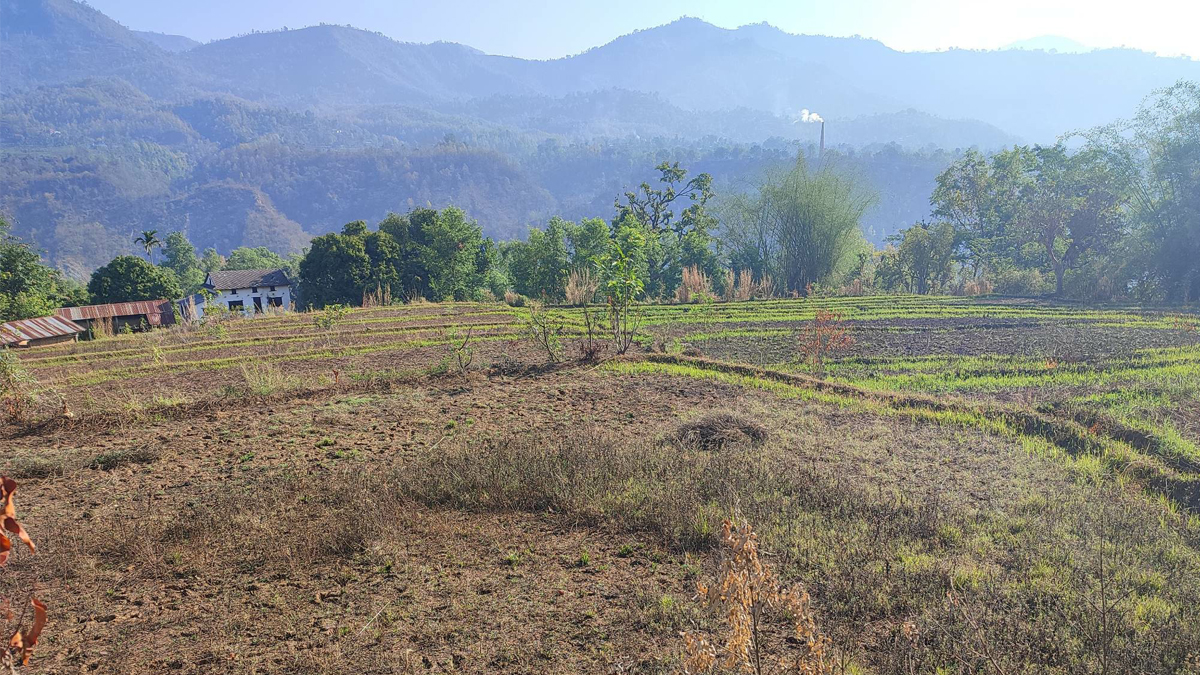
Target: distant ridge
170, 43
1050, 43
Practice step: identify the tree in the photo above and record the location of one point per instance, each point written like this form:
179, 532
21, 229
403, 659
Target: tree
335, 270
587, 241
29, 288
179, 256
924, 256
149, 240
1155, 158
258, 258
655, 210
386, 259
454, 254
980, 199
799, 226
411, 232
1070, 206
211, 261
538, 266
129, 279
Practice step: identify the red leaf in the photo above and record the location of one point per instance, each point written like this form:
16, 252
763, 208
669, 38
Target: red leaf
13, 526
30, 637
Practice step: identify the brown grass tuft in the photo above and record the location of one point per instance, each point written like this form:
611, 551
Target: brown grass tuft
718, 430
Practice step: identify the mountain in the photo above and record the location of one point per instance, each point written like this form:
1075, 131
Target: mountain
170, 43
60, 41
335, 65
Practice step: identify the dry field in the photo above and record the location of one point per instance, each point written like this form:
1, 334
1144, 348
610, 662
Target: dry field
976, 486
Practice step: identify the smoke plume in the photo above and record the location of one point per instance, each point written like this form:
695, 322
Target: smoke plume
808, 117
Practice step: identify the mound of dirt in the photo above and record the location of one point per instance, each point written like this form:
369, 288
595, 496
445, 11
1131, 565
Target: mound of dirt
715, 431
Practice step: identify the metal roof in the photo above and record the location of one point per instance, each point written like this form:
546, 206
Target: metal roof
153, 309
24, 330
225, 280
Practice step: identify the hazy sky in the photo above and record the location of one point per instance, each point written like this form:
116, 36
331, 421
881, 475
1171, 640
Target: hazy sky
553, 28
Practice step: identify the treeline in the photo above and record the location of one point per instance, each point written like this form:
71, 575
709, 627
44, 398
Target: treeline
1116, 218
31, 288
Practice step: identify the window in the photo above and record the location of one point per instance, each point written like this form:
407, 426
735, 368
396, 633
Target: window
272, 288
235, 304
254, 290
275, 302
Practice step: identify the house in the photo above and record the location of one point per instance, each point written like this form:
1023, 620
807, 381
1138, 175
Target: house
249, 290
47, 330
119, 315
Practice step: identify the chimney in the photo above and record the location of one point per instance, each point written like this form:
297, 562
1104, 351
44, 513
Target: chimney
822, 152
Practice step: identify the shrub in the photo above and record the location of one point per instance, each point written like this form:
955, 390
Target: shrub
826, 335
1023, 282
332, 316
590, 347
623, 287
746, 594
544, 329
461, 352
514, 299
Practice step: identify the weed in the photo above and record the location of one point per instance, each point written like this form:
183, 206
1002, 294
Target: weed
265, 378
108, 461
16, 387
544, 329
746, 594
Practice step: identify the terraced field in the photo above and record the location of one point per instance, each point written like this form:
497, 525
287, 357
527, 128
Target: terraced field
975, 486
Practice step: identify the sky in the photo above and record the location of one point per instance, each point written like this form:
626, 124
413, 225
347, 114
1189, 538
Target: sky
552, 28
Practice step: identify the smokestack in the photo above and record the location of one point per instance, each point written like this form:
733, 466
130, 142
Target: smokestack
822, 152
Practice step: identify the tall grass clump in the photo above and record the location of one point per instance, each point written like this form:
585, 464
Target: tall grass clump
265, 378
16, 387
581, 287
695, 285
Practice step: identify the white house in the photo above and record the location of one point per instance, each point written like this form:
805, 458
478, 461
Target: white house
248, 291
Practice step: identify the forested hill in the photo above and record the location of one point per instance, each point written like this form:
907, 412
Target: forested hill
271, 138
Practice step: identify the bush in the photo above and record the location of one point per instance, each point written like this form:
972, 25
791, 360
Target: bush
514, 299
1022, 282
332, 316
544, 329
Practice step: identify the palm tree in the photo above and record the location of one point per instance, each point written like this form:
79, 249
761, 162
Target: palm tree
149, 241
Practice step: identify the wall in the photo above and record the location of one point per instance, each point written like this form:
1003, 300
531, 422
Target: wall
283, 294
